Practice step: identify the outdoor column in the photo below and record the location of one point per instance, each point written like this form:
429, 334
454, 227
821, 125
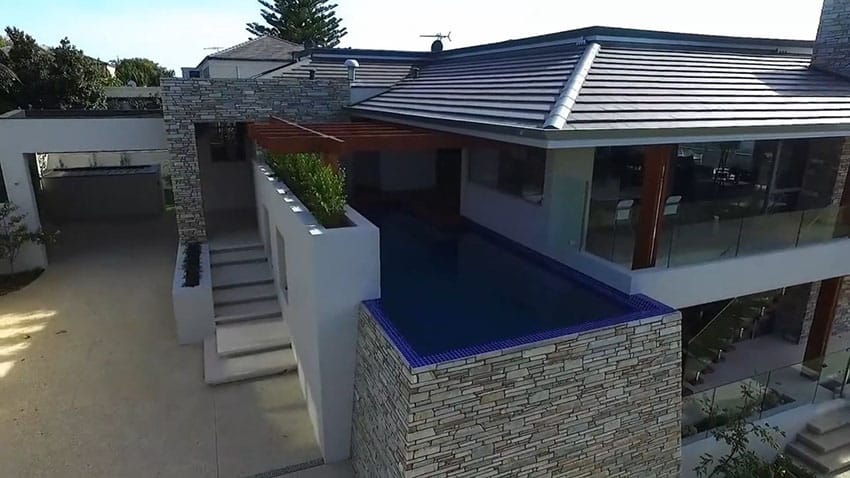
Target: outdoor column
656, 172
824, 317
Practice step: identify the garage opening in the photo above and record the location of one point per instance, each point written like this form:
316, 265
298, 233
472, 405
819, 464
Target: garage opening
104, 185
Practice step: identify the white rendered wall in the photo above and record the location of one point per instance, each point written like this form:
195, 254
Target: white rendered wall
554, 228
22, 135
329, 272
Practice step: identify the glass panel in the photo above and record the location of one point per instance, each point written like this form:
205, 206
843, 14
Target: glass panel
831, 372
696, 419
787, 388
702, 242
825, 224
772, 232
743, 397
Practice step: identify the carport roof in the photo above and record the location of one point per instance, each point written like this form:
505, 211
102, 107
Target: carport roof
282, 136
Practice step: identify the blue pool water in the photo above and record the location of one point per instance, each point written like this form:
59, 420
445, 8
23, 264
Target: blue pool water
446, 295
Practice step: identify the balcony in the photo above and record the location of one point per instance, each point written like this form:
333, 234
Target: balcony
690, 243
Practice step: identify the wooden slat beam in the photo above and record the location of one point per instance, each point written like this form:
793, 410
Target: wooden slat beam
824, 317
656, 175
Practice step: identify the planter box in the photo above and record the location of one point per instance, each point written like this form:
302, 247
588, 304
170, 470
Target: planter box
193, 306
321, 277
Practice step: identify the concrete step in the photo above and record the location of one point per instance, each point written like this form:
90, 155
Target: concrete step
251, 337
226, 246
836, 461
245, 311
830, 421
243, 294
231, 275
257, 254
826, 442
218, 370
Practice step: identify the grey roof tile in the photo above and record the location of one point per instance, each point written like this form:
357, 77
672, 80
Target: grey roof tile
636, 85
260, 48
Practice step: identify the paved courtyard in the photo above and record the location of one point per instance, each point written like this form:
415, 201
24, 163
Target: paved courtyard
93, 383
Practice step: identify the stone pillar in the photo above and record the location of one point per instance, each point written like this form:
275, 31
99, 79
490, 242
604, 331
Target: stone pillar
832, 44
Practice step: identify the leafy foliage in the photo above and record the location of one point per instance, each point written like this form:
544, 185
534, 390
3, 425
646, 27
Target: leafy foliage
14, 233
50, 78
312, 23
192, 264
740, 461
142, 71
320, 186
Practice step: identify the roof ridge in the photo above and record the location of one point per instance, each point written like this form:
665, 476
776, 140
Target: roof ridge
561, 109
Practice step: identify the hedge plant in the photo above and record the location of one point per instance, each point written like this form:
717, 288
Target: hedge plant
320, 186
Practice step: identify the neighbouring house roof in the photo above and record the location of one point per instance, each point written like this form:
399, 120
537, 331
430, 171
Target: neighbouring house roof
264, 48
595, 81
377, 68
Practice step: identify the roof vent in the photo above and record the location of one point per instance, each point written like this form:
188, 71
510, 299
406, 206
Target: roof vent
352, 66
414, 72
312, 74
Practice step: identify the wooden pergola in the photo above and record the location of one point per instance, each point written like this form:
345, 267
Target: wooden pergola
332, 140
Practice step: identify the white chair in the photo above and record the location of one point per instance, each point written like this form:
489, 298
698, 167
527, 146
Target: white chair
624, 210
671, 207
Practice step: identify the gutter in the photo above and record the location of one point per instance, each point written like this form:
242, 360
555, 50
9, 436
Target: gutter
563, 106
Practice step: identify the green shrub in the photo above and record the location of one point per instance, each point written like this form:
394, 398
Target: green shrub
320, 186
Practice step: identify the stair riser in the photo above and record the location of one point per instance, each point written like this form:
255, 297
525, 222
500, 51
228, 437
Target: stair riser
245, 318
252, 376
805, 459
244, 247
244, 284
255, 350
245, 300
234, 262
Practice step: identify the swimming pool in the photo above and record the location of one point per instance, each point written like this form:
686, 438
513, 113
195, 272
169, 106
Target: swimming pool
450, 294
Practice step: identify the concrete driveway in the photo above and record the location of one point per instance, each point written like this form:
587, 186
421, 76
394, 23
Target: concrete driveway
93, 383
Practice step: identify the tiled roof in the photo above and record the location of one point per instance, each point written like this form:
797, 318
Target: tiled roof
370, 73
516, 88
260, 48
630, 80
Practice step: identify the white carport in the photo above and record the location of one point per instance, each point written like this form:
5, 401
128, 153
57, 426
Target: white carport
22, 134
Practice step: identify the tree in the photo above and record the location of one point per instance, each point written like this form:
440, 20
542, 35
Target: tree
51, 78
141, 71
740, 461
312, 23
14, 233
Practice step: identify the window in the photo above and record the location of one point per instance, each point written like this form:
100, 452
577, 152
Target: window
514, 170
227, 142
4, 196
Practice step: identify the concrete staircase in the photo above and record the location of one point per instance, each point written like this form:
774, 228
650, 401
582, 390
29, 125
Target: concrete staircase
824, 445
251, 338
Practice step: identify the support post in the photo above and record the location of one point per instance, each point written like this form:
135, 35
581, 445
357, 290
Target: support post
656, 174
331, 159
824, 317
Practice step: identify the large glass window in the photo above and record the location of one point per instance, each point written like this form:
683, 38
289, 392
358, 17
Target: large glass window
724, 199
515, 170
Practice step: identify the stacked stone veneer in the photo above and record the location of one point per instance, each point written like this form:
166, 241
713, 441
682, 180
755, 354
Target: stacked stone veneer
832, 44
189, 101
600, 403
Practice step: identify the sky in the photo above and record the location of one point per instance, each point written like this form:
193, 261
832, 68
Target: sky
180, 33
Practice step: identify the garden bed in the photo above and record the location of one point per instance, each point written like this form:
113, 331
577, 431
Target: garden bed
191, 293
11, 282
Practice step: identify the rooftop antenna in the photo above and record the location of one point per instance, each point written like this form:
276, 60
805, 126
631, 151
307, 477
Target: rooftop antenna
437, 46
216, 48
